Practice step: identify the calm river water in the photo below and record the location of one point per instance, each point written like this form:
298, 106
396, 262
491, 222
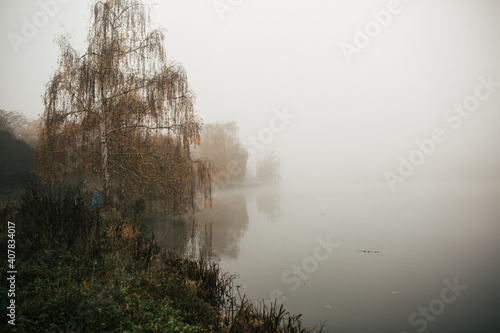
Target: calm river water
363, 259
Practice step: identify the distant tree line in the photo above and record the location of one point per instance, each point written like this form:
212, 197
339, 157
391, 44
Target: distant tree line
221, 144
17, 138
268, 169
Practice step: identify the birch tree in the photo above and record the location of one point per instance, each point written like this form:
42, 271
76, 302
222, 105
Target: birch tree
120, 115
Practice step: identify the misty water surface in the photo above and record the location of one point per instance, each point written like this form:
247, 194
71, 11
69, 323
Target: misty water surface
414, 239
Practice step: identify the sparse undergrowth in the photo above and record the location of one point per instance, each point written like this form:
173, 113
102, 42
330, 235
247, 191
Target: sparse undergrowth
112, 277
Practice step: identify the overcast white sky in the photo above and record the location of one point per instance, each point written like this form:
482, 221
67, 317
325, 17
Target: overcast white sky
353, 119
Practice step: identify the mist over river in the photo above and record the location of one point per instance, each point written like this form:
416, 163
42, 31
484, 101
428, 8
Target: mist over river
357, 256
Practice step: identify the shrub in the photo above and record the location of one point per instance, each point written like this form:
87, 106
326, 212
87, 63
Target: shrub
56, 216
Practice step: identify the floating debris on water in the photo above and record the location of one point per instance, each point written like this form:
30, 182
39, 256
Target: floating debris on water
365, 251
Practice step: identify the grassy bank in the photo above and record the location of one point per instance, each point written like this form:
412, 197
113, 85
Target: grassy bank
86, 270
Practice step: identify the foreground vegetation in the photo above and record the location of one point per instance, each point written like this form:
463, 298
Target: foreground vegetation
119, 116
99, 270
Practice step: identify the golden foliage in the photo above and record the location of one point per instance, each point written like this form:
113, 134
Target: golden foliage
120, 116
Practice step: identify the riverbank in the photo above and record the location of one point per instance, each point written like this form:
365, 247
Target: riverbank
83, 270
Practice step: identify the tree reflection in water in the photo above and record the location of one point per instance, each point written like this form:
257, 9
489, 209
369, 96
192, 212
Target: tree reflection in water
213, 234
268, 202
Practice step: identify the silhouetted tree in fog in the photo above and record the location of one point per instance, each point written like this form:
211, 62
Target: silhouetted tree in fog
268, 169
220, 143
16, 156
22, 128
